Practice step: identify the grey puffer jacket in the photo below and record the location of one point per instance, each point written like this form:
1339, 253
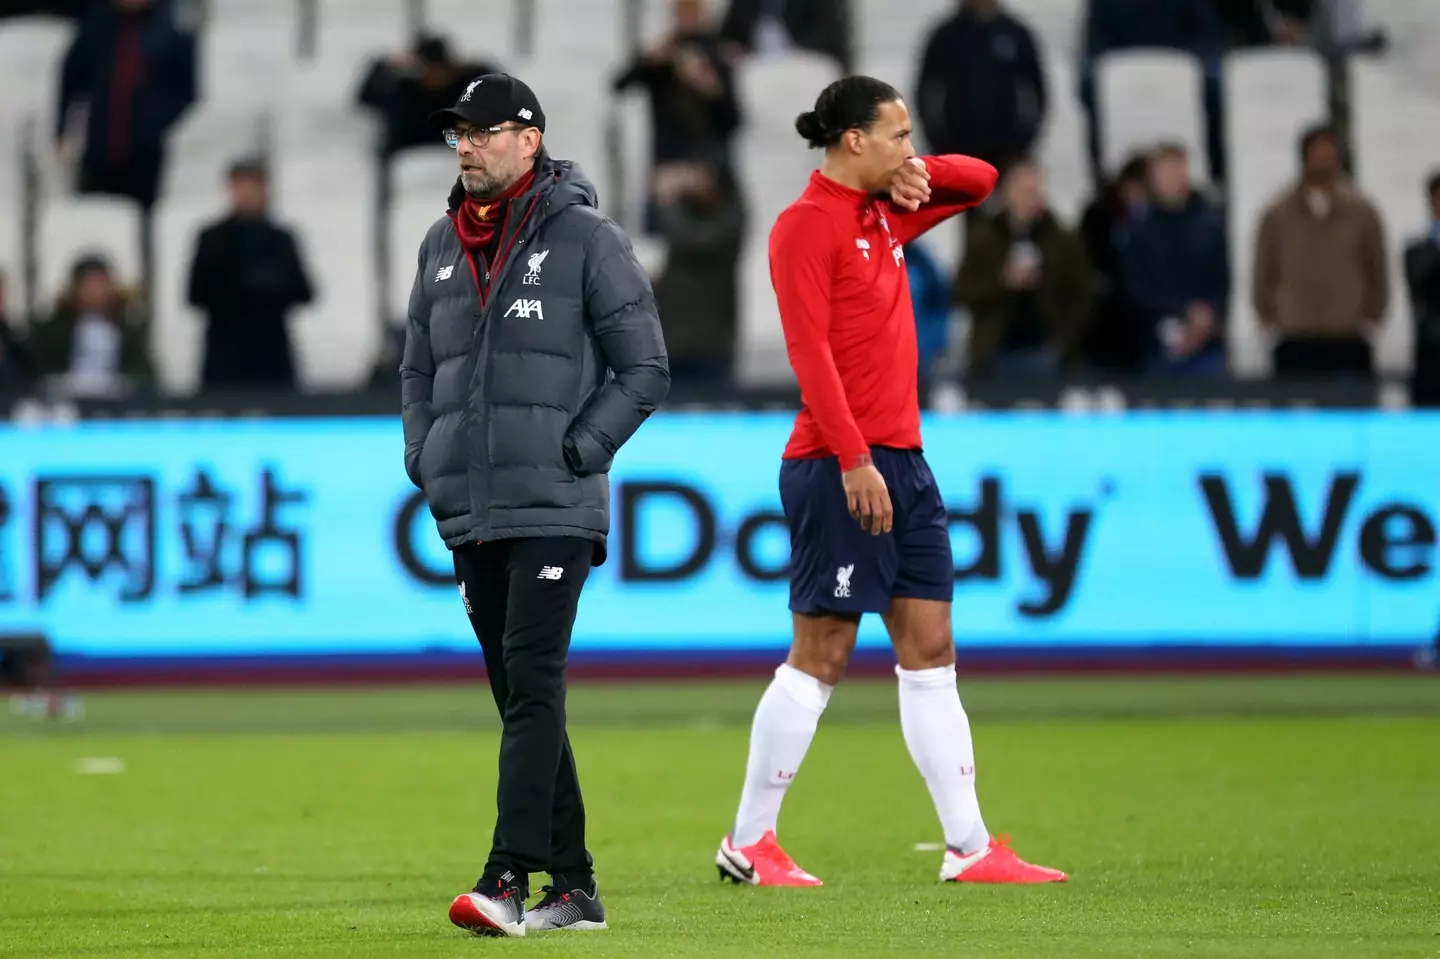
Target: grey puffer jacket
514, 410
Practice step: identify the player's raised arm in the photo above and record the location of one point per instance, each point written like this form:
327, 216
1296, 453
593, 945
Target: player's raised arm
802, 263
930, 190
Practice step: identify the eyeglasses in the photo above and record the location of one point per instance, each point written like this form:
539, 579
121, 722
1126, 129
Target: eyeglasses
478, 136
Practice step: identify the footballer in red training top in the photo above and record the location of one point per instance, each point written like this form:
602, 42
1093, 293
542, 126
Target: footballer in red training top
868, 526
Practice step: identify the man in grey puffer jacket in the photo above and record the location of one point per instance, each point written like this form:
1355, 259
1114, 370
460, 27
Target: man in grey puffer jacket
533, 352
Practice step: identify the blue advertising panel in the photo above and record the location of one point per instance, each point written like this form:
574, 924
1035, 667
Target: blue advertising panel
286, 537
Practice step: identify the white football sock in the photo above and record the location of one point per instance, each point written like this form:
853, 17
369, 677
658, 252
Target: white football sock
784, 725
937, 731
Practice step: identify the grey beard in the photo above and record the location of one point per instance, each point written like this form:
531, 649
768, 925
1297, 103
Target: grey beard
482, 186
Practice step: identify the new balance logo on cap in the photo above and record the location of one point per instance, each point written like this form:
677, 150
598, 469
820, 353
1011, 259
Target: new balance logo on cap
526, 310
445, 273
551, 572
525, 114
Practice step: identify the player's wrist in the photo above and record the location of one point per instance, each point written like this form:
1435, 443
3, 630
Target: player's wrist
854, 461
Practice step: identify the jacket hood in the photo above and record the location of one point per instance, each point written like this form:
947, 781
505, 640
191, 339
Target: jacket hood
560, 183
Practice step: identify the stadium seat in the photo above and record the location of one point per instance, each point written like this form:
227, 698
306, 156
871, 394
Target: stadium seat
351, 32
337, 337
32, 50
1397, 148
574, 125
248, 52
1059, 26
420, 182
178, 330
629, 137
1272, 95
1147, 96
476, 29
778, 167
1061, 150
890, 39
12, 206
205, 143
74, 226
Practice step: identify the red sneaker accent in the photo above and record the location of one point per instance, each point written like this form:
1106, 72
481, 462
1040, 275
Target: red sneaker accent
1001, 865
464, 914
763, 864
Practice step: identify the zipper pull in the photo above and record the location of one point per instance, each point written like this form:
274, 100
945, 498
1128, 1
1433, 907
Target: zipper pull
487, 276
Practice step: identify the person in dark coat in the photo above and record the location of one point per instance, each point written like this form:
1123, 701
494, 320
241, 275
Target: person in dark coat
246, 277
694, 112
1113, 342
701, 216
982, 86
69, 9
405, 89
821, 26
1026, 283
533, 352
1177, 272
1422, 277
132, 66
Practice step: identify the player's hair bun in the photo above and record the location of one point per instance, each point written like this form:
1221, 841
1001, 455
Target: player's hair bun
849, 103
808, 125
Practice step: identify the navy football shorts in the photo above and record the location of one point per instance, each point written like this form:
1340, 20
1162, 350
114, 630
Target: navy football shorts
838, 566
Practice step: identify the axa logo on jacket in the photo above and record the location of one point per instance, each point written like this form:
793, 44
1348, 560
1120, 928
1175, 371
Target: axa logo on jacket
526, 309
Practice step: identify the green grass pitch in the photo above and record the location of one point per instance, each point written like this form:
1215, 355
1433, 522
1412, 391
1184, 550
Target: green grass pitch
1281, 817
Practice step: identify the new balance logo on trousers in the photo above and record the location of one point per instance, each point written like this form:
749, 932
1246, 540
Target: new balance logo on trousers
551, 572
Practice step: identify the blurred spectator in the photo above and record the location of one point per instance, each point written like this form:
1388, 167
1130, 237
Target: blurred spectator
15, 370
132, 67
1177, 272
247, 275
701, 216
1320, 274
1256, 23
930, 296
1026, 283
1190, 25
406, 88
693, 108
69, 9
97, 340
1422, 276
1112, 342
767, 26
982, 88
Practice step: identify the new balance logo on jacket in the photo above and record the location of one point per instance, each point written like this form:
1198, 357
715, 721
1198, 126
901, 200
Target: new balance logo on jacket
526, 310
551, 572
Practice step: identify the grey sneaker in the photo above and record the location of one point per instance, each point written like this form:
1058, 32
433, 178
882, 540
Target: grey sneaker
495, 908
575, 909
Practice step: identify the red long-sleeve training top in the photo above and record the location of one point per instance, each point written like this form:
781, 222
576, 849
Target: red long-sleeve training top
838, 268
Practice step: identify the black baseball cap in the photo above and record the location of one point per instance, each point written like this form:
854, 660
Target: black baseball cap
491, 100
